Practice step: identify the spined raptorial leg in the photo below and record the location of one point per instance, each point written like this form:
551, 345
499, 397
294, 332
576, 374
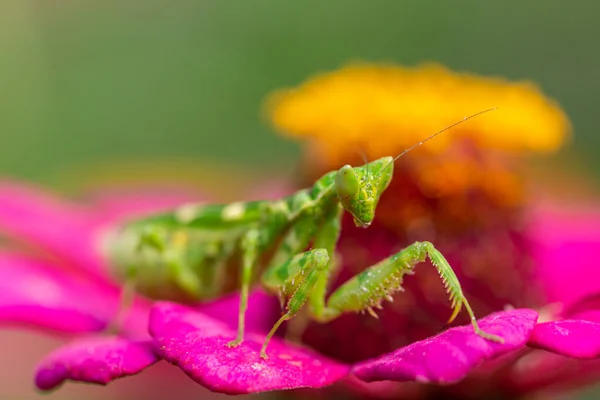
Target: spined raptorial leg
325, 238
298, 277
368, 289
302, 277
297, 326
294, 242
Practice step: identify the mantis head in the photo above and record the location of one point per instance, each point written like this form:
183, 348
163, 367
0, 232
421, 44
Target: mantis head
360, 188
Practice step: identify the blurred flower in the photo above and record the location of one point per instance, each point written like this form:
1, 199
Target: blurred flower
387, 107
53, 283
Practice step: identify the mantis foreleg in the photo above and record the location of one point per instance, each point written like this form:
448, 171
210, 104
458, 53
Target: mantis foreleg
326, 238
295, 241
378, 282
305, 276
301, 273
305, 273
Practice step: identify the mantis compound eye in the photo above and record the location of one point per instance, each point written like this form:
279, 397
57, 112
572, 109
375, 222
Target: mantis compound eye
347, 183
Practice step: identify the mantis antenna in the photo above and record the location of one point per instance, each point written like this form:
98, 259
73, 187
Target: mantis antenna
442, 131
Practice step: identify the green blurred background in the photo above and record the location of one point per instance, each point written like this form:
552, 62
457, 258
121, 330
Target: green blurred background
94, 82
86, 85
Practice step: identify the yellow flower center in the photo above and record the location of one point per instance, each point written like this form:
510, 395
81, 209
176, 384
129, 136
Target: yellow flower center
380, 110
383, 109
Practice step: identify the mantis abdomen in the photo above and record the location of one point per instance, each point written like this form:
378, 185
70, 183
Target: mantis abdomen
191, 254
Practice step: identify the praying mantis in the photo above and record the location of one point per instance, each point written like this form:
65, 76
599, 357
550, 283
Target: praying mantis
188, 253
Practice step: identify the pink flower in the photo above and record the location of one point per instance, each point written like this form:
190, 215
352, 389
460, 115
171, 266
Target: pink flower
53, 279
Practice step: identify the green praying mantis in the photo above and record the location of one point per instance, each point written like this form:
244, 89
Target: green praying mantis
189, 253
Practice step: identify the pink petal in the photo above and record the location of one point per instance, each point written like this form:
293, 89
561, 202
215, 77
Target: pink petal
539, 371
263, 311
37, 293
451, 355
198, 345
271, 188
588, 315
94, 360
569, 337
114, 205
36, 217
587, 308
567, 243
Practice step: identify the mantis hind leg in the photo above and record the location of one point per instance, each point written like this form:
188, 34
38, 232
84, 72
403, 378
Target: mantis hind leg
126, 298
149, 238
168, 250
250, 247
172, 247
368, 289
